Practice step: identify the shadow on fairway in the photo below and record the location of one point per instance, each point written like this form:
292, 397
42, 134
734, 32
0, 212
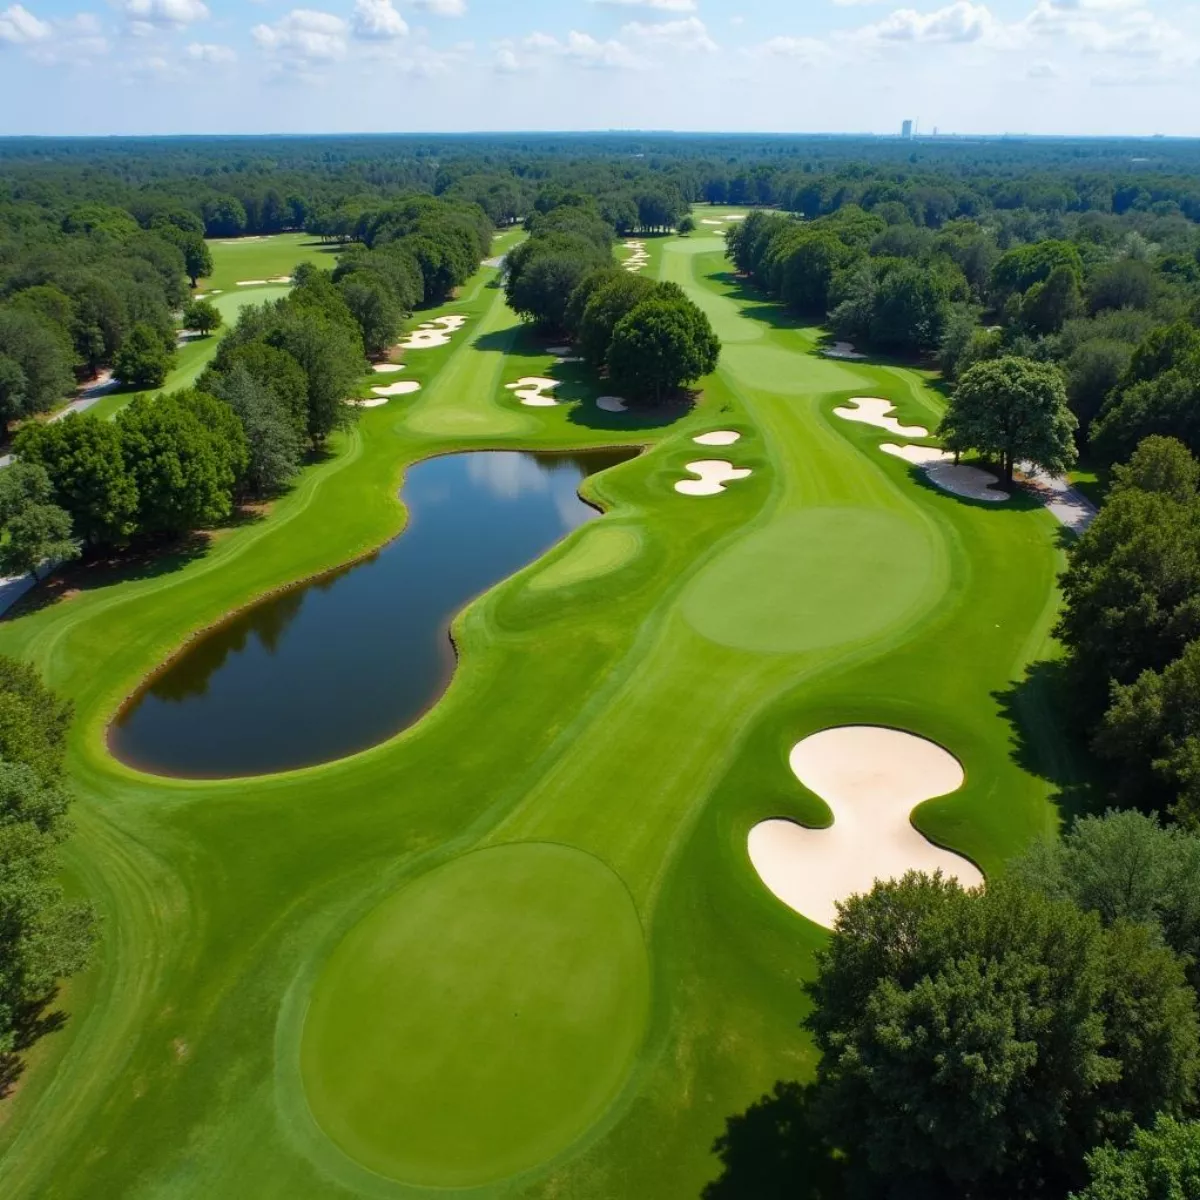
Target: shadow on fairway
771, 1152
586, 414
1035, 707
31, 1023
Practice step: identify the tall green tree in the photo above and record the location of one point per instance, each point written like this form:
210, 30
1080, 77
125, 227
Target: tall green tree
34, 529
203, 316
144, 358
661, 345
1160, 1163
274, 444
1015, 410
608, 305
980, 1044
89, 477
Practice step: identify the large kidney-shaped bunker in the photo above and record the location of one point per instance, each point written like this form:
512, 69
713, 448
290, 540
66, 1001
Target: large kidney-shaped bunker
481, 1019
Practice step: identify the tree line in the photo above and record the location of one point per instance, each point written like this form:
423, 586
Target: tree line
648, 338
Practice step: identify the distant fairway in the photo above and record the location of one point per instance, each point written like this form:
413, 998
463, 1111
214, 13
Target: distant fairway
520, 950
265, 258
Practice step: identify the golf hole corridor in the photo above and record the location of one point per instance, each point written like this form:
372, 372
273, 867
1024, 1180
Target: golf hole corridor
548, 938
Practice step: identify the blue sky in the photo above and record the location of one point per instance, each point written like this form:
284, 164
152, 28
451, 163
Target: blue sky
258, 66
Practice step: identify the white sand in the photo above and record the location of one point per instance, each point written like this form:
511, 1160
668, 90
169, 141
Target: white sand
368, 403
972, 482
433, 333
251, 237
707, 221
216, 292
736, 217
871, 411
280, 279
611, 404
403, 388
532, 389
251, 282
714, 474
871, 778
718, 437
387, 368
842, 350
569, 358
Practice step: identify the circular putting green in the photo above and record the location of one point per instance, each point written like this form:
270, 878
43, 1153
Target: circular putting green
816, 578
481, 1019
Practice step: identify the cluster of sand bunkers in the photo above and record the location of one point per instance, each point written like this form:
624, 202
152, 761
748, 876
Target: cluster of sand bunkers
872, 778
712, 474
939, 465
638, 257
425, 337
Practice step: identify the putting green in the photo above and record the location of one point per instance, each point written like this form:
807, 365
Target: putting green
817, 578
601, 549
478, 1021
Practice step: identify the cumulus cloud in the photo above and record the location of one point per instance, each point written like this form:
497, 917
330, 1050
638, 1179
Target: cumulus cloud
377, 21
507, 62
662, 5
19, 27
1043, 70
962, 21
305, 37
583, 50
210, 53
443, 8
147, 16
688, 34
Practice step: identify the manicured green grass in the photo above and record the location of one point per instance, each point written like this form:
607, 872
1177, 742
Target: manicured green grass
262, 258
314, 984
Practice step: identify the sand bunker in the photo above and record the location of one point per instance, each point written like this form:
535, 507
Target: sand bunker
871, 411
714, 474
387, 368
433, 333
639, 258
251, 282
403, 388
567, 358
612, 404
532, 391
718, 437
842, 350
708, 221
736, 217
374, 403
972, 482
871, 778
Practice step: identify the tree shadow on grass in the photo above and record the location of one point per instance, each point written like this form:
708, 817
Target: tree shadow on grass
584, 411
31, 1023
772, 1152
1049, 739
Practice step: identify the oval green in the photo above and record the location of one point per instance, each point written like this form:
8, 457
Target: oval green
478, 1021
598, 551
816, 578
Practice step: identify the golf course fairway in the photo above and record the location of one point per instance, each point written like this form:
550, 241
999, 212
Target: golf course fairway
520, 949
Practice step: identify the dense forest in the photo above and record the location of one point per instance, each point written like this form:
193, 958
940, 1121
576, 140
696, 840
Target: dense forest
1055, 284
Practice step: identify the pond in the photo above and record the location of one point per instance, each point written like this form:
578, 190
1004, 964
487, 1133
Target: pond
346, 661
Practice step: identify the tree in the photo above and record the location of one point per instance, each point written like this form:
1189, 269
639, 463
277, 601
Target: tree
34, 528
954, 352
1125, 866
1093, 370
35, 365
274, 443
1048, 305
43, 937
980, 1043
686, 225
911, 307
1013, 409
88, 475
1125, 283
143, 361
620, 292
659, 346
203, 316
184, 470
332, 359
374, 307
272, 368
197, 259
1160, 1163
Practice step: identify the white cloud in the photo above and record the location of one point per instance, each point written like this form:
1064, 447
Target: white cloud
805, 49
146, 16
211, 53
1043, 70
377, 21
688, 34
662, 5
962, 21
507, 62
443, 8
19, 27
305, 37
584, 50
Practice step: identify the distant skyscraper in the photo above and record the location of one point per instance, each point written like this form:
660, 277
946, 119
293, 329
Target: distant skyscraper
906, 129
